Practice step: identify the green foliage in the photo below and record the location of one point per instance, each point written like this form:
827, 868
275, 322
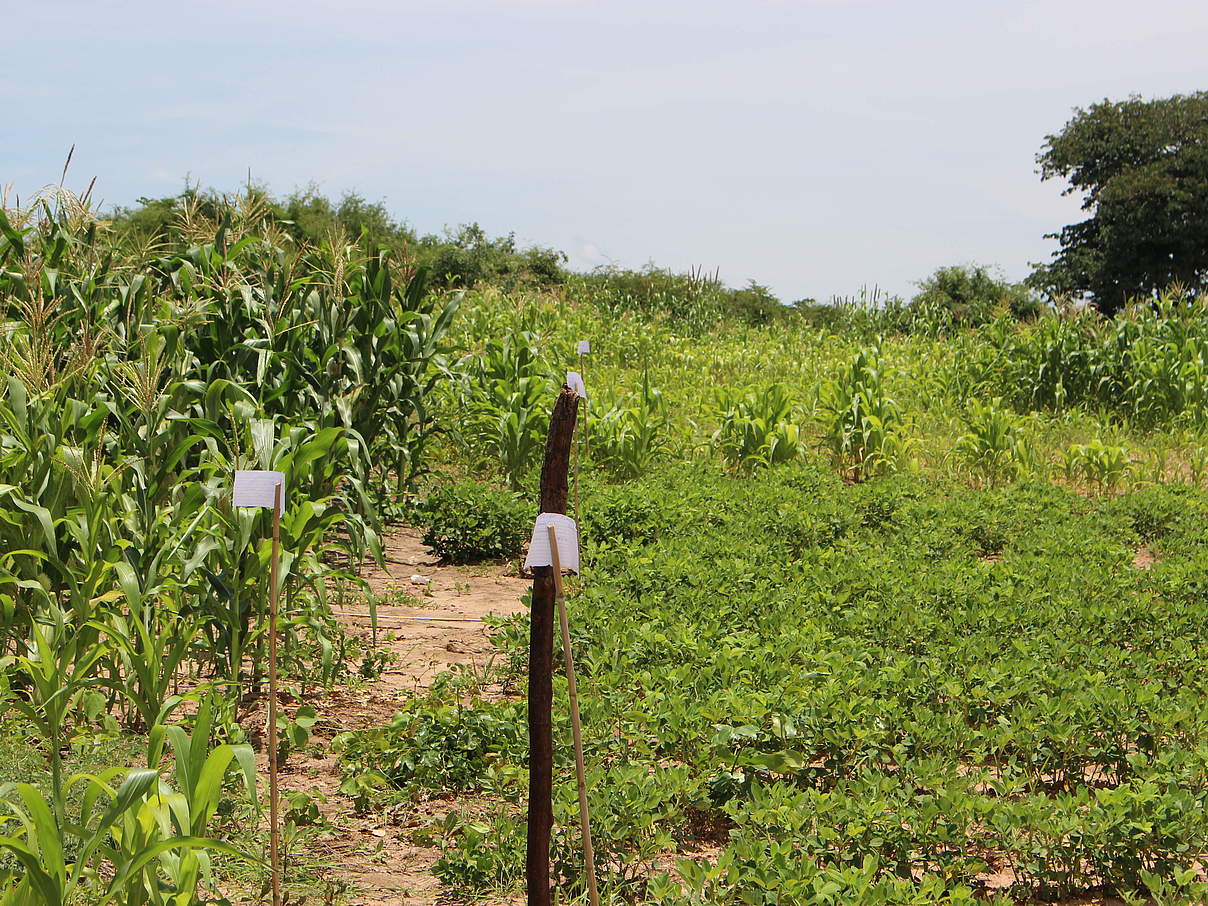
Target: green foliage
468, 257
137, 379
1142, 169
621, 514
996, 446
692, 301
470, 522
871, 314
313, 219
1103, 465
1157, 511
871, 691
757, 428
1145, 366
136, 839
505, 394
754, 304
874, 693
436, 746
862, 425
294, 732
479, 856
631, 436
972, 295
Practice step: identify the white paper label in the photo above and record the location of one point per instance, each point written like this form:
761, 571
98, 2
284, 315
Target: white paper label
584, 347
566, 534
574, 381
256, 488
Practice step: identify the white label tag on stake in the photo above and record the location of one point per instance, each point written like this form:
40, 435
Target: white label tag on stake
574, 381
256, 488
567, 535
584, 347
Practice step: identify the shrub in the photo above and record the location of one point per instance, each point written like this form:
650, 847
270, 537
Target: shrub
755, 304
689, 301
973, 295
468, 257
470, 522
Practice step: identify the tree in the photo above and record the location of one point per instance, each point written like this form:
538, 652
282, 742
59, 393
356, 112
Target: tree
1142, 167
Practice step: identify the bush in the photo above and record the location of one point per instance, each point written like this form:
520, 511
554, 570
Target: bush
754, 304
622, 514
693, 301
973, 295
469, 256
469, 522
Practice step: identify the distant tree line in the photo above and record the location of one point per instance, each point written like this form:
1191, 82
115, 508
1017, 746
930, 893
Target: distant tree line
461, 258
468, 256
1140, 166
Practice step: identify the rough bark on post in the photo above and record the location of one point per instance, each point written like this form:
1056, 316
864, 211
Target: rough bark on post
554, 489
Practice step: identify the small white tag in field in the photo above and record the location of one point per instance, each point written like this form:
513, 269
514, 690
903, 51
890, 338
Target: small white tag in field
584, 347
574, 381
256, 488
567, 535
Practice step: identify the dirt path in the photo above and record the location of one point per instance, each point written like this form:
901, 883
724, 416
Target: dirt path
428, 627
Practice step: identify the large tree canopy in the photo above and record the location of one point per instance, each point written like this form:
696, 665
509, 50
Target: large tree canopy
1142, 167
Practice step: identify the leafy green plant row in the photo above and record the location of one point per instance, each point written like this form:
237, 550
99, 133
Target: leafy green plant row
882, 692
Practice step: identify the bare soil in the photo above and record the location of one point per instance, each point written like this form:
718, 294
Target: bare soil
1144, 558
428, 627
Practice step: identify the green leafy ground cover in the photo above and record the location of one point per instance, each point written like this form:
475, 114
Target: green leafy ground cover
888, 692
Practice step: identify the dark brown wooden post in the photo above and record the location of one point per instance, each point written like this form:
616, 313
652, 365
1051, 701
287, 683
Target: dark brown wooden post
554, 489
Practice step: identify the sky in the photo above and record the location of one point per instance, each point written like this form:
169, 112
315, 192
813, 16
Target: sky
817, 146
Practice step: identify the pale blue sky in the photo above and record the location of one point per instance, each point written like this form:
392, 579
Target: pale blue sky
816, 146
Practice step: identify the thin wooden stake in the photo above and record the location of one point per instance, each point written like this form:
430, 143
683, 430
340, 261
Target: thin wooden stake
273, 793
589, 856
586, 435
578, 455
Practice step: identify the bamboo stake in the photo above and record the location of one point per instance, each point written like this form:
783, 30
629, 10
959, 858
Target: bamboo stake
578, 455
589, 856
586, 435
273, 793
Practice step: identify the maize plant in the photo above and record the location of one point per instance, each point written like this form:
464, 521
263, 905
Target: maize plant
134, 384
995, 448
757, 428
631, 435
862, 425
504, 394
